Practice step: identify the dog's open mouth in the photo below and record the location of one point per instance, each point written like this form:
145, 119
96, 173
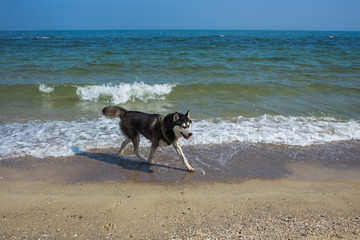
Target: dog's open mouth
187, 137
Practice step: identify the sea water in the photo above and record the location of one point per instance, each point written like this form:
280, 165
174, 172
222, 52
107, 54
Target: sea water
279, 87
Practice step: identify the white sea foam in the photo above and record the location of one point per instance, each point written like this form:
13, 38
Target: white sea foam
60, 138
42, 37
56, 138
45, 88
299, 131
124, 92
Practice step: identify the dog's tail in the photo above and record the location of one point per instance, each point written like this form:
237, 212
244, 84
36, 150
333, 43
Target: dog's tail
114, 111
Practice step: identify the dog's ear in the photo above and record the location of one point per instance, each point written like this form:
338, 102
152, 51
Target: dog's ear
187, 114
176, 117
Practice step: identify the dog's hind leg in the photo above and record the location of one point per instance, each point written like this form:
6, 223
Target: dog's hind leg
123, 145
181, 154
136, 142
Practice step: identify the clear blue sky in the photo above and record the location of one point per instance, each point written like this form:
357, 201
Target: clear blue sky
180, 14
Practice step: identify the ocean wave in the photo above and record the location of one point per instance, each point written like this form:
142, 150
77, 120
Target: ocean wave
60, 138
144, 92
105, 93
37, 38
124, 92
44, 88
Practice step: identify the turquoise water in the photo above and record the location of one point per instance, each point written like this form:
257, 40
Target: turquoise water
227, 79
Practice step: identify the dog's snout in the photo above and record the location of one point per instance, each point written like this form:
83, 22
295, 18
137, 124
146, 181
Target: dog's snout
190, 134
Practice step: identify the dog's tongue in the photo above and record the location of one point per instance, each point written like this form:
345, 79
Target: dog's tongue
187, 137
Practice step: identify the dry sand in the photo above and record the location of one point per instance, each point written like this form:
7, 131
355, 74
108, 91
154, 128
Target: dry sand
254, 209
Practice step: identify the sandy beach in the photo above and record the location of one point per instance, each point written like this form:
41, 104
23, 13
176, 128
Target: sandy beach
270, 209
97, 195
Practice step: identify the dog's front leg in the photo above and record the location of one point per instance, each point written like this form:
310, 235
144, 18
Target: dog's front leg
178, 149
152, 151
136, 142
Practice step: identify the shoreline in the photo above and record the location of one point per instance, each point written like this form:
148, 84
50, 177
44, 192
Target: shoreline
232, 163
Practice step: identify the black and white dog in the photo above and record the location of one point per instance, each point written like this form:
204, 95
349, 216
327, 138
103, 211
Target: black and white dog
160, 130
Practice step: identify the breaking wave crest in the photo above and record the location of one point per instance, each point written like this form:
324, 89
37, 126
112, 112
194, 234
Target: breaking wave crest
45, 88
110, 93
124, 92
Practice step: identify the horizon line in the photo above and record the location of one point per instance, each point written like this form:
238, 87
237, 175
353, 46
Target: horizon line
179, 29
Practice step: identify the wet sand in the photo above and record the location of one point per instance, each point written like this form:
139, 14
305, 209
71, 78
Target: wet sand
219, 163
238, 191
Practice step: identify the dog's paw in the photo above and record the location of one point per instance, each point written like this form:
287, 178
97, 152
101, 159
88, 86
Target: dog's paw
191, 169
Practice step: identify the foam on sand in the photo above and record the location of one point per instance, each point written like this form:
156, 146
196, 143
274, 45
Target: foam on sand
63, 138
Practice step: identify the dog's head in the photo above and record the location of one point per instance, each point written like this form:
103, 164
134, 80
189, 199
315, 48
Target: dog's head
182, 125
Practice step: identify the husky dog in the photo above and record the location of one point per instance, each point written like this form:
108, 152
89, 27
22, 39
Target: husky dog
160, 130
